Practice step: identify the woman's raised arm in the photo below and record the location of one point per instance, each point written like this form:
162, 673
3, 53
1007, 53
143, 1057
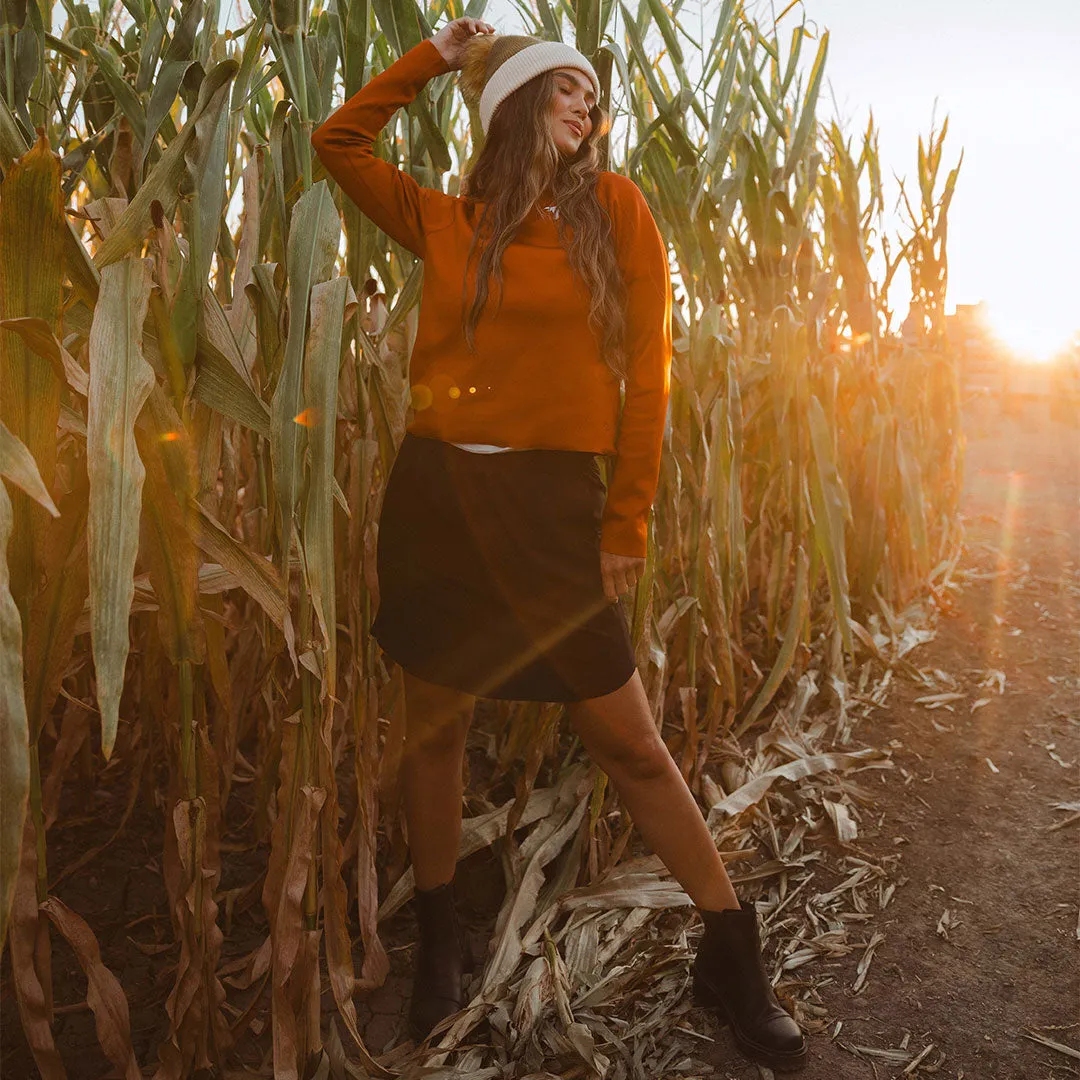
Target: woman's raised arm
400, 206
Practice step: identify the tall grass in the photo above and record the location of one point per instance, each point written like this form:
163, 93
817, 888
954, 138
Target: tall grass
198, 420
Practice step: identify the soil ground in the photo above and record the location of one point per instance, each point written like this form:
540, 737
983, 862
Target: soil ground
970, 806
970, 809
976, 838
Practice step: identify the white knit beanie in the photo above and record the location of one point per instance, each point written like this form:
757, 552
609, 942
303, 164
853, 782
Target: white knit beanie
498, 64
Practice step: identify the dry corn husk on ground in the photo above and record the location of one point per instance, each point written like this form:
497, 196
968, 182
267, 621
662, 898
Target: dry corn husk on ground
204, 359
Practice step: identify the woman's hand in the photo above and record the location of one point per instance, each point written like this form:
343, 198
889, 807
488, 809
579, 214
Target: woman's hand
620, 573
454, 36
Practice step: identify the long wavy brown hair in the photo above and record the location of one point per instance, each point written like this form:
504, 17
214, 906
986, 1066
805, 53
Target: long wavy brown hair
518, 162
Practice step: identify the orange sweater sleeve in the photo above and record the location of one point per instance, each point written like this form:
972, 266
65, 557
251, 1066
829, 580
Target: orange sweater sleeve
644, 263
345, 144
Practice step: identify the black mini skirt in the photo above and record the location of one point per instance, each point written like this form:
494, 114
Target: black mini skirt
489, 573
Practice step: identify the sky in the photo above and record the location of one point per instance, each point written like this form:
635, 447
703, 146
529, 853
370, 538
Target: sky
1007, 77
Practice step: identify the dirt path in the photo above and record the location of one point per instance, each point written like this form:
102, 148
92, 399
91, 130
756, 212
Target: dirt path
970, 806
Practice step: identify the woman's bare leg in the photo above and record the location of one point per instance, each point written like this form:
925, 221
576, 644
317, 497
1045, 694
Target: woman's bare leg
437, 722
619, 733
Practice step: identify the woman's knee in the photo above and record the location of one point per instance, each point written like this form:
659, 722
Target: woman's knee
623, 743
638, 760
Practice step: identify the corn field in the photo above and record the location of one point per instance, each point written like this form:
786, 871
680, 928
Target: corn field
204, 377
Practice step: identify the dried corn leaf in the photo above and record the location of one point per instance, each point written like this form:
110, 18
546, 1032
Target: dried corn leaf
104, 994
18, 465
863, 967
56, 608
28, 944
1061, 1048
627, 890
752, 791
256, 575
476, 833
31, 206
840, 816
535, 995
14, 734
542, 845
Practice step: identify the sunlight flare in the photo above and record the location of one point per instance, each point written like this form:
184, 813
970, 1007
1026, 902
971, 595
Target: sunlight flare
1032, 336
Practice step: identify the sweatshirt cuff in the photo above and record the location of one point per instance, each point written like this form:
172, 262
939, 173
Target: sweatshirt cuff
628, 536
428, 51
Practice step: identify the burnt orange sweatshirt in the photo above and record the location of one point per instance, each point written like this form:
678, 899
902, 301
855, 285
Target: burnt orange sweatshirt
537, 378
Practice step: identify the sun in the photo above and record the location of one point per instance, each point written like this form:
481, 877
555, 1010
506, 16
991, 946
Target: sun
1030, 336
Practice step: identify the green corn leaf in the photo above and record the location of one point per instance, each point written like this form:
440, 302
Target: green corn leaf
203, 214
665, 23
179, 57
330, 308
801, 140
768, 106
354, 47
548, 20
399, 20
312, 252
12, 143
285, 15
12, 15
149, 50
434, 139
253, 47
587, 26
407, 298
181, 163
644, 61
120, 382
277, 160
126, 98
166, 85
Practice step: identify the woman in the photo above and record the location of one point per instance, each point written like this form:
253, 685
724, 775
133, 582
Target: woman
501, 555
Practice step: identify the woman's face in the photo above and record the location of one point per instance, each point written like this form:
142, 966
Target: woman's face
570, 120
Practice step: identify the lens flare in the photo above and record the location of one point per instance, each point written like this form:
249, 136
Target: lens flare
1033, 337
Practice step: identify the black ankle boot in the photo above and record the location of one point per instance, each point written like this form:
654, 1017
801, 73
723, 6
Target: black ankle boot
440, 960
729, 976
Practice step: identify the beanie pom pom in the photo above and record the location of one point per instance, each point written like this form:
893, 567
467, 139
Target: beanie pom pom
474, 68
